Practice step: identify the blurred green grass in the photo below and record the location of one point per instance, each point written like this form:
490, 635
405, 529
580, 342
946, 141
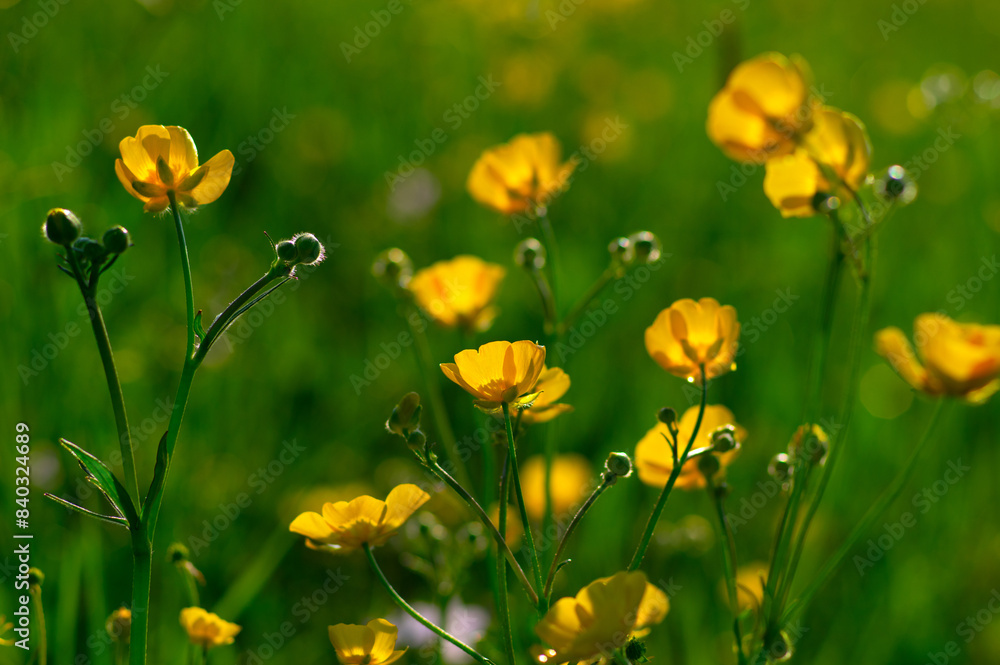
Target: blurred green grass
290, 378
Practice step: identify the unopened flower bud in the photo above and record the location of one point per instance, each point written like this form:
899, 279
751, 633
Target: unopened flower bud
724, 439
709, 465
619, 465
177, 553
667, 416
405, 416
416, 440
62, 227
530, 254
780, 648
35, 577
119, 625
393, 268
780, 468
287, 252
896, 185
116, 240
645, 248
91, 250
310, 250
635, 651
619, 248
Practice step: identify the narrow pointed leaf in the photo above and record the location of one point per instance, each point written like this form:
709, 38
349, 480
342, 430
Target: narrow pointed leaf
159, 474
120, 521
101, 476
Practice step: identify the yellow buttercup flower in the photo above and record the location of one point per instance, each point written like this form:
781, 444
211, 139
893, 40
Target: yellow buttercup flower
654, 459
959, 359
763, 109
374, 644
345, 526
601, 617
837, 145
498, 373
571, 480
207, 630
119, 625
459, 292
521, 175
750, 581
552, 385
160, 160
689, 334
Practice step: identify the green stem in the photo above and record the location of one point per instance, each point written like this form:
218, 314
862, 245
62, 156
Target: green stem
488, 523
425, 362
186, 269
440, 632
609, 480
818, 364
529, 539
890, 494
235, 308
675, 473
111, 377
503, 607
730, 562
548, 300
142, 569
43, 641
552, 251
581, 305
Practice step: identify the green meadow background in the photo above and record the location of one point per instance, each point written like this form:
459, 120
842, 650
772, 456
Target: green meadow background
318, 130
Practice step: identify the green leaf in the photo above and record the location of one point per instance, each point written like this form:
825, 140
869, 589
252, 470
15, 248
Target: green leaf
102, 478
198, 329
159, 474
120, 521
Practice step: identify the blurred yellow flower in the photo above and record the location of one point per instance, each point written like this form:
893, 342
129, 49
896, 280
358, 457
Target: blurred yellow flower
521, 175
160, 160
345, 526
119, 625
552, 385
514, 530
655, 461
498, 373
373, 644
207, 630
459, 292
959, 359
572, 479
837, 145
763, 109
750, 581
601, 617
689, 334
4, 627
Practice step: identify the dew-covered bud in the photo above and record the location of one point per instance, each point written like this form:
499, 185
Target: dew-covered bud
62, 227
896, 185
644, 248
619, 465
530, 254
310, 250
393, 268
286, 251
724, 439
667, 416
119, 625
116, 240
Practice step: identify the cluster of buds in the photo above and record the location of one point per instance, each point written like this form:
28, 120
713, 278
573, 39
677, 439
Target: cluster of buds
405, 423
302, 249
618, 465
62, 227
809, 447
638, 249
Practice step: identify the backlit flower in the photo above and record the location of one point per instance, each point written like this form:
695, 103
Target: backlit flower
160, 160
763, 109
521, 175
345, 526
571, 480
836, 148
207, 630
552, 385
498, 373
959, 359
601, 617
691, 333
374, 644
459, 292
655, 461
119, 625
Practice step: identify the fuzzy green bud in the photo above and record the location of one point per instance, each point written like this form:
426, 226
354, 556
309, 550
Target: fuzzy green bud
645, 248
530, 254
393, 268
619, 465
286, 251
310, 250
116, 240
